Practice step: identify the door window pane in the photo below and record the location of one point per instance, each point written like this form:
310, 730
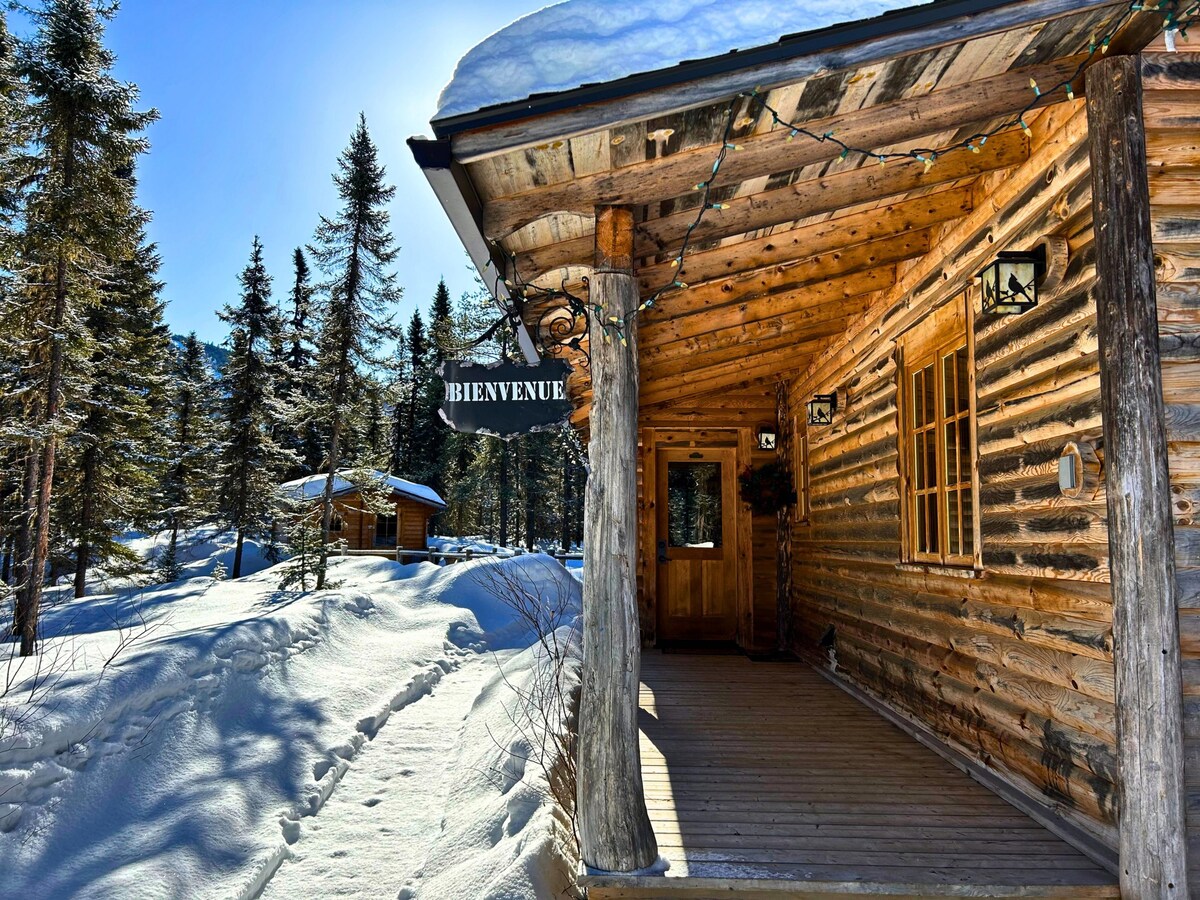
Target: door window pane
694, 504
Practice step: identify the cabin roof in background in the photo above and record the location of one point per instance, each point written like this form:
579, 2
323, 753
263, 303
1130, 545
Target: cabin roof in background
312, 487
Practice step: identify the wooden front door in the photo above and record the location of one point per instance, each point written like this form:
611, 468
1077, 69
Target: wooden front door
696, 541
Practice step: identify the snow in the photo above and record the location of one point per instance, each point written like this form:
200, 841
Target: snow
313, 486
199, 551
580, 42
329, 740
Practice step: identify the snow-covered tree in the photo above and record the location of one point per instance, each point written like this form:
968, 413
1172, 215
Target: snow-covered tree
252, 459
113, 459
354, 249
188, 486
79, 216
299, 375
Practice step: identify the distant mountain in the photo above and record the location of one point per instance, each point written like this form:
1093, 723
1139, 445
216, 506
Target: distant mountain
217, 355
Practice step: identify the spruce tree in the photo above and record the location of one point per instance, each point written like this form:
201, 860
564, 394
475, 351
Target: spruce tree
188, 485
299, 388
79, 217
112, 461
252, 459
418, 375
354, 250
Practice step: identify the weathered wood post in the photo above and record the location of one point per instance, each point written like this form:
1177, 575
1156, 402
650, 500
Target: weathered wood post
1140, 534
614, 827
783, 524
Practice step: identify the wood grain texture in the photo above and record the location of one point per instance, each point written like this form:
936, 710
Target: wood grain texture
831, 793
1149, 702
615, 832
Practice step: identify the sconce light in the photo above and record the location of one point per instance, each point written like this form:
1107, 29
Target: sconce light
1010, 284
766, 437
821, 409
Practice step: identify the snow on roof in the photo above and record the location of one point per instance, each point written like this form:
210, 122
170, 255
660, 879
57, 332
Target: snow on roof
313, 486
580, 42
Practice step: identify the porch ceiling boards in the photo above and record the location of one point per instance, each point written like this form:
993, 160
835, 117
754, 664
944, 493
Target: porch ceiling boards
765, 780
809, 241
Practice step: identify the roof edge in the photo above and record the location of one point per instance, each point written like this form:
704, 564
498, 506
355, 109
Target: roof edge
936, 14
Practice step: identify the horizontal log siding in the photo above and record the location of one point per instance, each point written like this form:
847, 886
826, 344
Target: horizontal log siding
1015, 667
1175, 222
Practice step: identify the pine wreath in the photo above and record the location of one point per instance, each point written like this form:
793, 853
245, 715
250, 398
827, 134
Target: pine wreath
767, 489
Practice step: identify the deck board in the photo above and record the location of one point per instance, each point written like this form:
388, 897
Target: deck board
766, 777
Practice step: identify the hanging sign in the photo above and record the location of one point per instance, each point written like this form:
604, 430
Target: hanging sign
505, 399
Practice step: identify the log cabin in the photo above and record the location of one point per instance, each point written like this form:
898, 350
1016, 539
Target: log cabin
357, 523
941, 268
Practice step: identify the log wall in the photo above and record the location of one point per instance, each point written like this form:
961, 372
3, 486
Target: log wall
1010, 661
358, 525
1173, 155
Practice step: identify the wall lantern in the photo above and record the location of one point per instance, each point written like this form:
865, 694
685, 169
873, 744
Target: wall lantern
1010, 283
821, 409
766, 437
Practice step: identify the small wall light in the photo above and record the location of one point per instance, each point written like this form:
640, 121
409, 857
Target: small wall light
766, 437
1010, 284
821, 409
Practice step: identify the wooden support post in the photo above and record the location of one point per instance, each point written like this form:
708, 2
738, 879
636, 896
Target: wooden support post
614, 827
783, 524
1140, 534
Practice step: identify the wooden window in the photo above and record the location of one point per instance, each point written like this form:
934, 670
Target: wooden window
335, 522
694, 504
800, 467
386, 530
937, 447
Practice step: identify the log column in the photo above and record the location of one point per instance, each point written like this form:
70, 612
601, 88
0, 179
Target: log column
1140, 534
783, 523
614, 827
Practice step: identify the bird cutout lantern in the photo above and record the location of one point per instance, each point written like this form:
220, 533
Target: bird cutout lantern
1010, 283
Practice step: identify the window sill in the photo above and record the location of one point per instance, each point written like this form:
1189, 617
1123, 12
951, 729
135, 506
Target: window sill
938, 569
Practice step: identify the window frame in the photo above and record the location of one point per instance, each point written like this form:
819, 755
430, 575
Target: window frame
946, 332
801, 511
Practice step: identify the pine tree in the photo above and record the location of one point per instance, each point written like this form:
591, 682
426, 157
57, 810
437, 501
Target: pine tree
112, 461
299, 386
354, 250
418, 374
79, 216
188, 486
252, 459
432, 431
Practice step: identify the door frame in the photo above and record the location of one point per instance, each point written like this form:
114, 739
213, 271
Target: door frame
737, 443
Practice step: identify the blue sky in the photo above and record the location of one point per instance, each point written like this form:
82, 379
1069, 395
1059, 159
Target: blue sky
257, 98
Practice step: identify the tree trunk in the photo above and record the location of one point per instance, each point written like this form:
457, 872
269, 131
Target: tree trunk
1141, 540
564, 531
84, 548
23, 541
530, 494
237, 554
504, 490
614, 827
45, 489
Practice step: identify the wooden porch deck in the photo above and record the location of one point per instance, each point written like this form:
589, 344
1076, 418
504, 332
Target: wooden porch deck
765, 780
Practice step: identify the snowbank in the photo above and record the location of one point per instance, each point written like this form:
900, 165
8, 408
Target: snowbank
198, 550
583, 42
190, 765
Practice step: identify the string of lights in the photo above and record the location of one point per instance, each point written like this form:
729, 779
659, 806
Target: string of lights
1176, 21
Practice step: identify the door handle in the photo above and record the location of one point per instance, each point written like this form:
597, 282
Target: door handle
662, 551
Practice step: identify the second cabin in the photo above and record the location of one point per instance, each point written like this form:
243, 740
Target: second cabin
358, 518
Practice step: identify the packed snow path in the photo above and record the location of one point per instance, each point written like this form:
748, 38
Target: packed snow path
373, 833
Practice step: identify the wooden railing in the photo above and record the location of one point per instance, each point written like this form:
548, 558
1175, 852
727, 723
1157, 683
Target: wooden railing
448, 557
